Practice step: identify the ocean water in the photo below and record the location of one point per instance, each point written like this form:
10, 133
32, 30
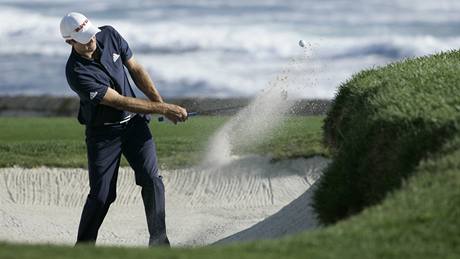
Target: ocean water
228, 48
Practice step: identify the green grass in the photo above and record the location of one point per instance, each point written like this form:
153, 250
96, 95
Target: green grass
296, 138
382, 123
59, 142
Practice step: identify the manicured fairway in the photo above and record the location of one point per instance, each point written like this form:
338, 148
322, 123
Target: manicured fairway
59, 142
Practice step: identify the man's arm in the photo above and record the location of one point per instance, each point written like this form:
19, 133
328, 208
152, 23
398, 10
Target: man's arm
173, 112
142, 80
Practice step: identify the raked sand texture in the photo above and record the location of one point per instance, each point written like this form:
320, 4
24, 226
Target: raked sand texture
249, 198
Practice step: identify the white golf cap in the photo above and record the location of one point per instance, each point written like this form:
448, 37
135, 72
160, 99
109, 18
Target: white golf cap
75, 26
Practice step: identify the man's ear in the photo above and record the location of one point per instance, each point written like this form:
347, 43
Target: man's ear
70, 42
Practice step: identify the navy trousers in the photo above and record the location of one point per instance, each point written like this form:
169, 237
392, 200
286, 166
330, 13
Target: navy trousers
105, 145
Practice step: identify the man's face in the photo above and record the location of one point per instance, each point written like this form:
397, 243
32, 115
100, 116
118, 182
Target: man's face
86, 48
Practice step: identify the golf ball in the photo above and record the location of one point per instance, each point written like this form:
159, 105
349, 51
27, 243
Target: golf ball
302, 43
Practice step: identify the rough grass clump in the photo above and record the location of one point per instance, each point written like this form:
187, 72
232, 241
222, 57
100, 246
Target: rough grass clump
382, 123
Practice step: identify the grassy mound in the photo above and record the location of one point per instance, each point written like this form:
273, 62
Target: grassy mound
382, 123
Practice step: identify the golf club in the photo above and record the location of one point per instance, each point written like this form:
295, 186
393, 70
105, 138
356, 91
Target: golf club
205, 112
190, 114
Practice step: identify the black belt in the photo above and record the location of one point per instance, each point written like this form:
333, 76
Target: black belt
124, 121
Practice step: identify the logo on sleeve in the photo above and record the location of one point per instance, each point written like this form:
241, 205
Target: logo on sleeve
115, 57
92, 95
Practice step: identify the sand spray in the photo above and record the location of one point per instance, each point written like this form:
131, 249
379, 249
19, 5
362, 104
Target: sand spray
264, 115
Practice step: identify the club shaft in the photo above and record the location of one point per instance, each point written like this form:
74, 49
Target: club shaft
190, 114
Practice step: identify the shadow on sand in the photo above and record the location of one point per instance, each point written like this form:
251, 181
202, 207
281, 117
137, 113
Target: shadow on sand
295, 217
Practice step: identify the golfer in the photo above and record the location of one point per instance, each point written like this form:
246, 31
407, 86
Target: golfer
116, 122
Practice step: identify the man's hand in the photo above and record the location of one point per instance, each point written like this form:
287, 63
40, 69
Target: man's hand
175, 113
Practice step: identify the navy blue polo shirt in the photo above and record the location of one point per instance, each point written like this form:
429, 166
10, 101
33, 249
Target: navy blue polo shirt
90, 79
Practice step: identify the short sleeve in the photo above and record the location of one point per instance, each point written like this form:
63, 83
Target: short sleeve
88, 89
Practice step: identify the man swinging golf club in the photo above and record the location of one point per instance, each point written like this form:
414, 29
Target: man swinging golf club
116, 122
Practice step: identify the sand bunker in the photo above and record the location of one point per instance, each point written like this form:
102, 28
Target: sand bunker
248, 199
